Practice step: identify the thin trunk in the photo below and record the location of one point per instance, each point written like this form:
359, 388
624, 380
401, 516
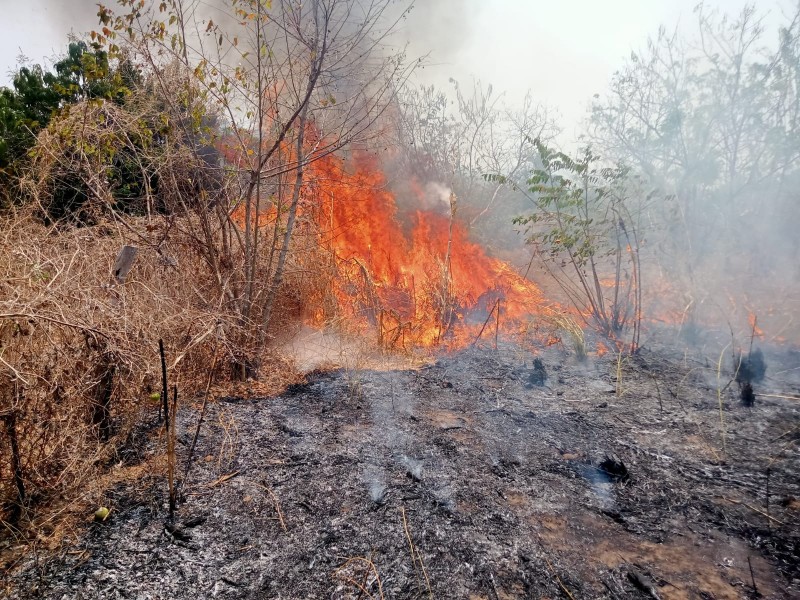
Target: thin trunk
164, 399
277, 278
318, 55
101, 412
447, 274
10, 419
260, 58
276, 227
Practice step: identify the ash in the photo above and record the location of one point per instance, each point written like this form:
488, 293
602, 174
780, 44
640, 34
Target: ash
462, 480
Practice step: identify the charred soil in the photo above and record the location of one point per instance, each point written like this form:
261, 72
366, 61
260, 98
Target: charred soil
473, 477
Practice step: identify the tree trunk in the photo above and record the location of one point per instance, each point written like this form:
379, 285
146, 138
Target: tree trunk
277, 279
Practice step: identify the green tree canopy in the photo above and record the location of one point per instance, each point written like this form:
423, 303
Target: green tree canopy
37, 94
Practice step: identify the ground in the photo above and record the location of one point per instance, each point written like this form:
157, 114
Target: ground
468, 477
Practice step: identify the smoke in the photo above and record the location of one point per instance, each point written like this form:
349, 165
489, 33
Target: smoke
435, 197
79, 15
38, 31
313, 349
445, 25
741, 230
722, 240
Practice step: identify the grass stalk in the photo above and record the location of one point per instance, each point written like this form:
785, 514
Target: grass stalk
416, 558
719, 399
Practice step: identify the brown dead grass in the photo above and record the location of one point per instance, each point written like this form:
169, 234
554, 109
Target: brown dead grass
64, 321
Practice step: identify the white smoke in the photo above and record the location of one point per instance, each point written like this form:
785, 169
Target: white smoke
436, 197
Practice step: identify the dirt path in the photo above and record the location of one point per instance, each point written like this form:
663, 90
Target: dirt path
465, 479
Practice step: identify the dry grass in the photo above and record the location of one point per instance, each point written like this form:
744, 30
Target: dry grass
622, 359
360, 573
65, 324
416, 557
559, 324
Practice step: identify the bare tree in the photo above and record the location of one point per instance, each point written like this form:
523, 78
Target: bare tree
711, 120
461, 141
289, 83
452, 145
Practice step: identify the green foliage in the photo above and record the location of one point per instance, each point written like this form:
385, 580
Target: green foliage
582, 225
38, 95
571, 197
74, 123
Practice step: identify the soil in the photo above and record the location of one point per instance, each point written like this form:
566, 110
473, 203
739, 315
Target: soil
465, 478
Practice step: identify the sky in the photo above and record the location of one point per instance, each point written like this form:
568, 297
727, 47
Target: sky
563, 51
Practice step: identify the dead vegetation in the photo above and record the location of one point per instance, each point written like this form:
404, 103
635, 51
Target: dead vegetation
80, 379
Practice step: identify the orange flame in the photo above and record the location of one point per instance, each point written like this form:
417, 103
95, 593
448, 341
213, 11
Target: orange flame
753, 320
410, 286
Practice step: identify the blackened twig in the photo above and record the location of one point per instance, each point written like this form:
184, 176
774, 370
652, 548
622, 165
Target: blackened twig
171, 453
752, 577
200, 418
497, 324
10, 419
486, 322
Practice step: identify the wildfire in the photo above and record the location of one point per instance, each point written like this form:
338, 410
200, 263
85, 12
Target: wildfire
429, 286
416, 278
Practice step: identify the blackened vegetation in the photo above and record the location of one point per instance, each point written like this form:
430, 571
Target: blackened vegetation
615, 469
750, 369
101, 410
9, 418
747, 394
533, 375
493, 487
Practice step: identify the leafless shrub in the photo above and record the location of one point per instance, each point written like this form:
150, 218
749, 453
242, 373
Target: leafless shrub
79, 360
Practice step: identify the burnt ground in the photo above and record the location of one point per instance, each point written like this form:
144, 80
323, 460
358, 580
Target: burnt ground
466, 479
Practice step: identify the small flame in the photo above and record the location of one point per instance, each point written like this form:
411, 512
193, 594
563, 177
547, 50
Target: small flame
752, 319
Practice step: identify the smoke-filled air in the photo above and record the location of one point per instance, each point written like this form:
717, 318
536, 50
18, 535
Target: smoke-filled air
370, 299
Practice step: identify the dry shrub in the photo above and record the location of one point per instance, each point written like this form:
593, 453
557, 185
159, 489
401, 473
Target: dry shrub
75, 343
79, 364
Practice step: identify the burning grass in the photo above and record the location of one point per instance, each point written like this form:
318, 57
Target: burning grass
80, 386
80, 369
417, 279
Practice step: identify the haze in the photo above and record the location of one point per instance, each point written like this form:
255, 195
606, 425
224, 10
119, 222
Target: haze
563, 52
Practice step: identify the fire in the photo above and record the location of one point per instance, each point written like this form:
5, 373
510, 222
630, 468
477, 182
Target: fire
753, 321
428, 286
